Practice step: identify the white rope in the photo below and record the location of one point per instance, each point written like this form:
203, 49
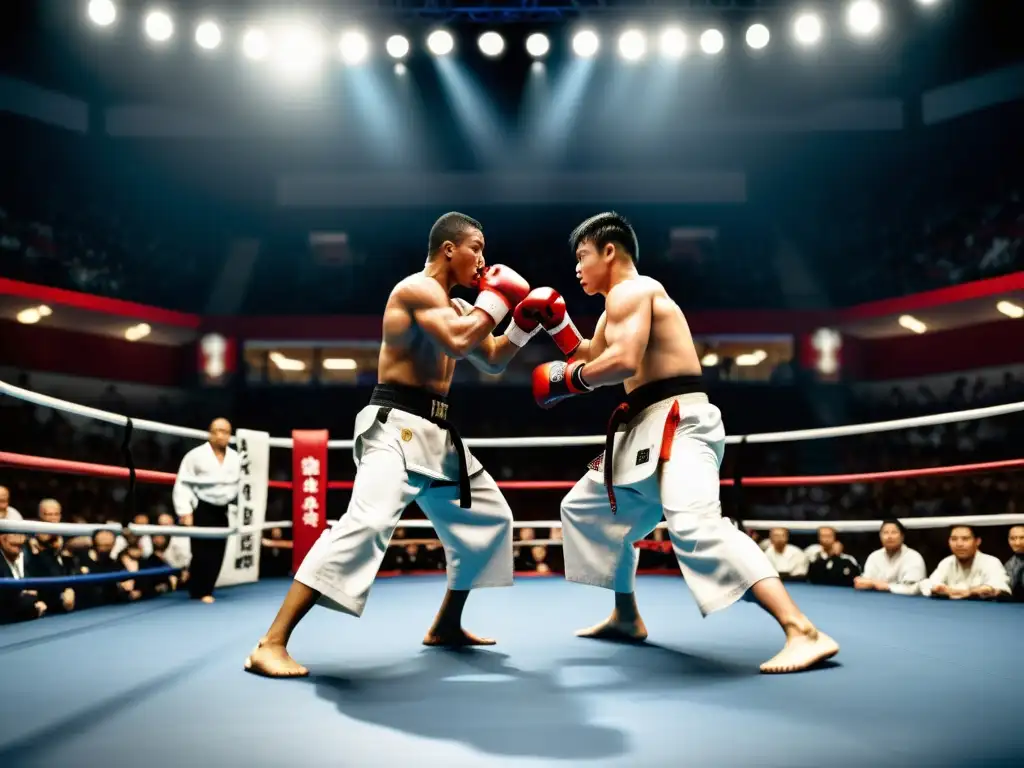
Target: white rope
88, 529
914, 422
540, 442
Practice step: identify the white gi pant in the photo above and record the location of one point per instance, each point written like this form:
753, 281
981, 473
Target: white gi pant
409, 459
720, 562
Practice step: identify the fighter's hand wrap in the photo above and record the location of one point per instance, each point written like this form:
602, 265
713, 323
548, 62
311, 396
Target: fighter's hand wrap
546, 307
554, 382
501, 289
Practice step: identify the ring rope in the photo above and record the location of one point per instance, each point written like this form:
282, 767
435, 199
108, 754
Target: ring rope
75, 579
88, 529
794, 526
39, 463
949, 417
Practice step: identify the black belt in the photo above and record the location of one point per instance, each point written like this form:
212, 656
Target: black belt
636, 402
432, 407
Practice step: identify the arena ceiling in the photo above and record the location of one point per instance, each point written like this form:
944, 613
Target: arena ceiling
51, 43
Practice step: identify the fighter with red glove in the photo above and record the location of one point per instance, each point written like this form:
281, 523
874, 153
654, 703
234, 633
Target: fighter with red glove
554, 382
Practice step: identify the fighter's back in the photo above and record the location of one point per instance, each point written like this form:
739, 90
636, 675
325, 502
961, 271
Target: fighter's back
407, 354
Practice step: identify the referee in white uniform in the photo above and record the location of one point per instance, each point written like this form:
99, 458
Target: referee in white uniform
206, 484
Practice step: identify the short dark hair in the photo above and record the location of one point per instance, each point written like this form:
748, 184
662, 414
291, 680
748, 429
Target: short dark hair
893, 521
452, 226
604, 228
974, 533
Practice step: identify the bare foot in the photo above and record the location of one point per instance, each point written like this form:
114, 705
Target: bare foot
208, 599
455, 638
273, 661
615, 629
801, 652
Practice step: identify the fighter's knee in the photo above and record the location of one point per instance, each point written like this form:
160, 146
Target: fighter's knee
691, 516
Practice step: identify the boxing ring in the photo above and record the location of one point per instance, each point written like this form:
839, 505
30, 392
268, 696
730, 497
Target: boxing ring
917, 682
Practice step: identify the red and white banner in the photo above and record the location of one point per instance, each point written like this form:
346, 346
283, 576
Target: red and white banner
216, 359
309, 490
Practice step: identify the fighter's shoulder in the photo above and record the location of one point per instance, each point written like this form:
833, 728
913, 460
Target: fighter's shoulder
417, 291
631, 292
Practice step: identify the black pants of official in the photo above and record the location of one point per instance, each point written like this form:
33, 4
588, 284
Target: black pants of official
207, 554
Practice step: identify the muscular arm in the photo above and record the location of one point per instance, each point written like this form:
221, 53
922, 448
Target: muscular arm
627, 329
582, 351
457, 335
493, 354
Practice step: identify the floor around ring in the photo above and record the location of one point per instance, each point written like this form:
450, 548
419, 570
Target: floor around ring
918, 682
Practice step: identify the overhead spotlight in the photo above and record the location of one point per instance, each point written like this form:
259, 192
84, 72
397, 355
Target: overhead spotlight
712, 41
102, 13
585, 44
400, 69
673, 43
864, 17
632, 44
709, 360
538, 45
354, 47
1010, 309
44, 311
255, 44
491, 44
911, 323
807, 29
299, 50
758, 36
159, 26
397, 47
138, 332
927, 2
440, 42
208, 35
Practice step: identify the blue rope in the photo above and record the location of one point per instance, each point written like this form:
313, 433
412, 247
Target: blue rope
85, 578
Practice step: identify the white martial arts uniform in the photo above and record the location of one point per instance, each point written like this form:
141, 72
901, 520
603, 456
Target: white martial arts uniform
719, 561
985, 571
903, 572
408, 458
203, 477
791, 560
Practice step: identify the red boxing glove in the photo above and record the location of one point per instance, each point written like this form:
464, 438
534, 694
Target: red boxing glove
501, 289
522, 328
547, 307
554, 382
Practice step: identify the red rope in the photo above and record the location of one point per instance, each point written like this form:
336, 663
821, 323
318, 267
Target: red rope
64, 466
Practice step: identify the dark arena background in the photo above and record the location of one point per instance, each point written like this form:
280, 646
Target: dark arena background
204, 207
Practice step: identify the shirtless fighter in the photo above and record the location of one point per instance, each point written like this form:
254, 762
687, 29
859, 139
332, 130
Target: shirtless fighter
665, 461
406, 449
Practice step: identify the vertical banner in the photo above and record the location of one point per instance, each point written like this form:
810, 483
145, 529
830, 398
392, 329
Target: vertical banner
242, 555
215, 360
309, 490
822, 353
